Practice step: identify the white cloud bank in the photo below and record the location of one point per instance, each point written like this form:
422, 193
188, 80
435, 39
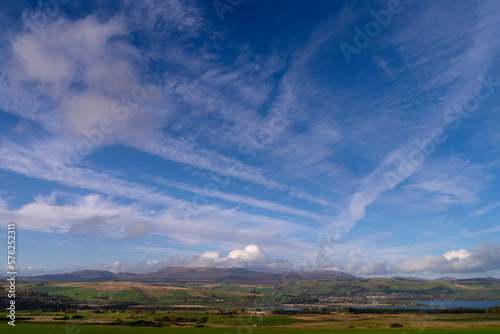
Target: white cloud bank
252, 258
481, 259
85, 216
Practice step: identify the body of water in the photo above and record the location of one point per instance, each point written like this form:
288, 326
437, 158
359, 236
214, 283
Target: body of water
460, 303
430, 305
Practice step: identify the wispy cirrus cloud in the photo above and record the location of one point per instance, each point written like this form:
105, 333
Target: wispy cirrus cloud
485, 209
222, 224
452, 181
239, 199
445, 83
185, 16
82, 91
187, 153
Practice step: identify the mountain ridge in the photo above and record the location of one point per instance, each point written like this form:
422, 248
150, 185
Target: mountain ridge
191, 274
214, 274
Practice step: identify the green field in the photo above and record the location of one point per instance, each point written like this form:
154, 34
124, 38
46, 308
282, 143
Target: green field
226, 296
247, 295
30, 328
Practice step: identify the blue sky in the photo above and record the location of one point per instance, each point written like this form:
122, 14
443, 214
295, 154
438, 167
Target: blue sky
353, 136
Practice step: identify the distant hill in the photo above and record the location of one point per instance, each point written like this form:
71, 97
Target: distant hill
183, 275
490, 279
410, 278
77, 276
208, 274
446, 279
292, 276
313, 282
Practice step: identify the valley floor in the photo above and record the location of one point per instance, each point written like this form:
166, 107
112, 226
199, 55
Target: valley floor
211, 322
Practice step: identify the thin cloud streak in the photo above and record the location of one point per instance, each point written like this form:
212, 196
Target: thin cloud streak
239, 199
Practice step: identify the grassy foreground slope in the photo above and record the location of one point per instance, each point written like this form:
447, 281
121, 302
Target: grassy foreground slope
51, 328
